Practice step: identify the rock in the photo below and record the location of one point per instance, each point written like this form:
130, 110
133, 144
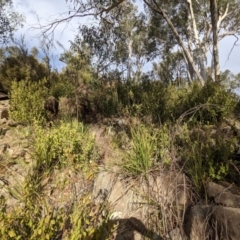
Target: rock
3, 131
9, 152
3, 121
20, 153
175, 234
228, 199
168, 186
12, 123
27, 157
129, 198
3, 148
222, 195
212, 222
214, 189
196, 223
3, 113
227, 222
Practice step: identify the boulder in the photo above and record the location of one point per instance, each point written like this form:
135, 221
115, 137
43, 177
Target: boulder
212, 222
4, 113
197, 223
226, 221
224, 195
129, 199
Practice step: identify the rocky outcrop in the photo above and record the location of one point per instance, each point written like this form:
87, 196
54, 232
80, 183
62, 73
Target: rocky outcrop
226, 196
212, 222
130, 200
220, 220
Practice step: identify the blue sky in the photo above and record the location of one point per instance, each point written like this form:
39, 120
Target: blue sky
48, 10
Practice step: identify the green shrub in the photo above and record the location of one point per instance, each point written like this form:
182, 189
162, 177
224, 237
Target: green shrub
165, 148
31, 222
68, 143
90, 221
62, 88
217, 102
206, 155
27, 99
83, 220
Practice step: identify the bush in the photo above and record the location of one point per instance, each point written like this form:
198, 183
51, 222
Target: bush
26, 100
67, 143
31, 222
206, 153
217, 102
90, 221
83, 220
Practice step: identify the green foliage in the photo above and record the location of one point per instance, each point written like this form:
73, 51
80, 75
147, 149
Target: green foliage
27, 99
84, 220
67, 143
206, 153
167, 102
90, 221
18, 66
105, 99
216, 101
165, 144
31, 222
62, 88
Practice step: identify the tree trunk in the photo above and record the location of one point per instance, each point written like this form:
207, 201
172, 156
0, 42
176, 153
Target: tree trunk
129, 71
214, 19
200, 56
180, 41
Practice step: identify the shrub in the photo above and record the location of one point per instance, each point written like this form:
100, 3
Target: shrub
68, 143
205, 155
90, 221
218, 102
26, 99
31, 222
83, 220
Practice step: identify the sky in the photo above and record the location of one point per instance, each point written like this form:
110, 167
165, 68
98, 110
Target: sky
45, 11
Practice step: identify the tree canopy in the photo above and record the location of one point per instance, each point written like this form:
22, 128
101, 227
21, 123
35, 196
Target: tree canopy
123, 35
9, 21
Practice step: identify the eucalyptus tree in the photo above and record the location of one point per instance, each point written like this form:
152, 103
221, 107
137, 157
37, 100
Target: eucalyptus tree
118, 42
195, 26
171, 70
9, 20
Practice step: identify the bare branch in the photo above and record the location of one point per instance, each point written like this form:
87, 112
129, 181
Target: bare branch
231, 33
79, 14
234, 44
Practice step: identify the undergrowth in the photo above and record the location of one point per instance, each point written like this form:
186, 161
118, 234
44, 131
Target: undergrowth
185, 129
